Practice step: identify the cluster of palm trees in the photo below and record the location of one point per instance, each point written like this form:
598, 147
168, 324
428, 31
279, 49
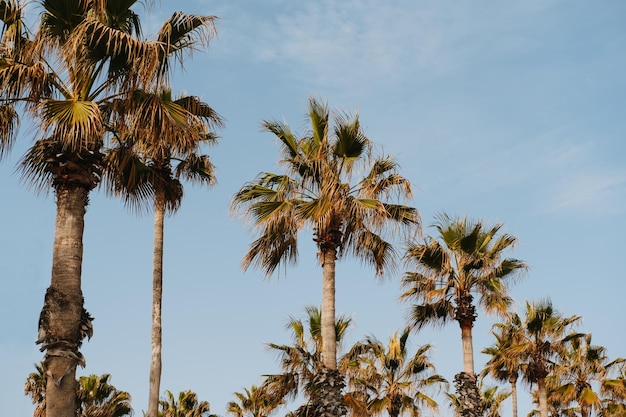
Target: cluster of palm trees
336, 186
97, 397
102, 98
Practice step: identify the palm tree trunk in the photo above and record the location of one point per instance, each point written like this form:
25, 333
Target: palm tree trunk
543, 397
513, 396
329, 338
468, 348
157, 296
60, 321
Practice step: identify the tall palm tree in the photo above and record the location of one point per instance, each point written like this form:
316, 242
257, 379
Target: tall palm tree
467, 260
300, 362
545, 331
582, 369
502, 365
66, 76
254, 402
390, 378
98, 398
159, 146
61, 79
320, 191
186, 405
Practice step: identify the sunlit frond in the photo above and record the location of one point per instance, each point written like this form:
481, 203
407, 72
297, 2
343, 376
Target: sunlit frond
75, 124
9, 122
179, 34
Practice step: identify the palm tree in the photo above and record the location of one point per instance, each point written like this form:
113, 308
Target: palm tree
95, 396
502, 365
83, 56
491, 400
545, 331
555, 403
582, 369
35, 387
253, 402
187, 405
98, 398
160, 146
466, 261
614, 392
388, 378
301, 361
318, 191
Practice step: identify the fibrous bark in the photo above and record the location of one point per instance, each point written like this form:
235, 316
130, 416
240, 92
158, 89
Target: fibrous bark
469, 397
326, 394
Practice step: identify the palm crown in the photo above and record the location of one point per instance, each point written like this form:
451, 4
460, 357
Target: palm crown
317, 191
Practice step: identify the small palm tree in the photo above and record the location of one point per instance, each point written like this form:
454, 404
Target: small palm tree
95, 396
98, 398
348, 215
467, 260
545, 331
301, 361
503, 365
582, 369
491, 399
186, 405
254, 402
388, 379
614, 392
35, 387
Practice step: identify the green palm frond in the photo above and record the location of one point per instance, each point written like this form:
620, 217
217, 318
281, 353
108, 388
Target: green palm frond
431, 256
197, 169
75, 124
318, 114
373, 250
436, 313
179, 35
351, 143
277, 245
196, 107
61, 18
127, 175
119, 15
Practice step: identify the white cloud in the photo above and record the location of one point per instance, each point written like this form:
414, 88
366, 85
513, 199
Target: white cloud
600, 192
368, 40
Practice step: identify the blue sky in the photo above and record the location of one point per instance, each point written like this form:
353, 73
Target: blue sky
511, 112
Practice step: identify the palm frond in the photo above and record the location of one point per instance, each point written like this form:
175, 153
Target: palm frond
9, 123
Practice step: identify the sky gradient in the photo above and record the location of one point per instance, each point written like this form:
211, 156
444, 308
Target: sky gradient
511, 112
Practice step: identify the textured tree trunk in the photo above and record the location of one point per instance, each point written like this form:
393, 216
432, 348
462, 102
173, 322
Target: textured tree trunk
543, 397
469, 397
513, 381
468, 348
326, 393
60, 330
157, 296
329, 338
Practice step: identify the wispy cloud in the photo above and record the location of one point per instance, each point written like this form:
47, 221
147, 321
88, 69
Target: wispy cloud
597, 192
368, 39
